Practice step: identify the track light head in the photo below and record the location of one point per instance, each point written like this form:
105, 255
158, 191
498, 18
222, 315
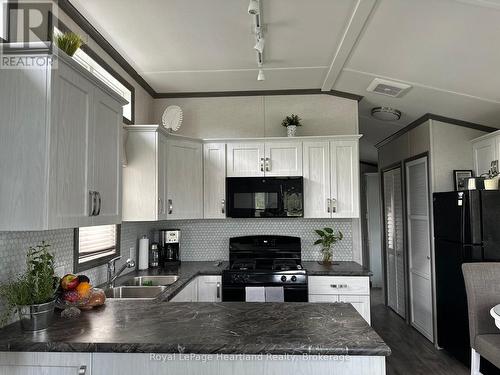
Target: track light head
253, 7
261, 76
259, 46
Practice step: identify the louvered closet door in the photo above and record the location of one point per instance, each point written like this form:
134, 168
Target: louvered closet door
419, 248
394, 243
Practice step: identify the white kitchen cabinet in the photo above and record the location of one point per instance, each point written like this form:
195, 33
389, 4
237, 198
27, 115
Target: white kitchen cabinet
214, 181
245, 159
485, 149
58, 139
44, 363
209, 288
184, 179
145, 176
264, 158
188, 294
350, 289
331, 178
283, 158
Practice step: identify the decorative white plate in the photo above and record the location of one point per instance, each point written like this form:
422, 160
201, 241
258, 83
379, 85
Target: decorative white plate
172, 117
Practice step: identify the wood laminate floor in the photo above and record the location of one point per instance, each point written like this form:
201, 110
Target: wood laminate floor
412, 354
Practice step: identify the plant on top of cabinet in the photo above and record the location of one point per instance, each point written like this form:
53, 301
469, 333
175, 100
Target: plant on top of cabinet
328, 238
32, 294
290, 123
68, 42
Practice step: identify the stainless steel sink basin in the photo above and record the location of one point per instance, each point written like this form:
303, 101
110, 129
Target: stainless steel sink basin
150, 281
134, 292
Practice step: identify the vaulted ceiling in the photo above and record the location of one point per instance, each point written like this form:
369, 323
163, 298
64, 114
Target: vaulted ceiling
447, 50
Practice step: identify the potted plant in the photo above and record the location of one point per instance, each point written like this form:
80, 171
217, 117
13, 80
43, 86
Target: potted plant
291, 122
327, 238
68, 42
32, 294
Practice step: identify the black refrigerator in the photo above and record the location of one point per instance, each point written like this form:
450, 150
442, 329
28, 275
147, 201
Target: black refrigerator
466, 229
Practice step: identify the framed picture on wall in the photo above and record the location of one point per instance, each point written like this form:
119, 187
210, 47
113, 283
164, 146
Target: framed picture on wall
459, 177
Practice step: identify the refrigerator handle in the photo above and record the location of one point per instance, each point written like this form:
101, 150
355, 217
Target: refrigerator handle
462, 203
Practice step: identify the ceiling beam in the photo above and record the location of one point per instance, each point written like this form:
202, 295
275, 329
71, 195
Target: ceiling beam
358, 19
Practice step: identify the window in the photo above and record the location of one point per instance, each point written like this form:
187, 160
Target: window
95, 246
99, 68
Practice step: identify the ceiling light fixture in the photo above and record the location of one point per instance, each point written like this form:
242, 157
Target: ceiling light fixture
261, 76
259, 46
386, 113
253, 7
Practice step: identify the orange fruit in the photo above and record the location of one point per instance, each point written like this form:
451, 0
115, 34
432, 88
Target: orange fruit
84, 289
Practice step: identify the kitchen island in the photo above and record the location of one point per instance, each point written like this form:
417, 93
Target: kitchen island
135, 337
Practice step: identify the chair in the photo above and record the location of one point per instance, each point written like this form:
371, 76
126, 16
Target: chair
482, 283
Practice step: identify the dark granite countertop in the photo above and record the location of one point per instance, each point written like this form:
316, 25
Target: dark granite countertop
336, 269
227, 327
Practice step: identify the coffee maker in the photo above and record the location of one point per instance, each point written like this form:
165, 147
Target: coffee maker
170, 247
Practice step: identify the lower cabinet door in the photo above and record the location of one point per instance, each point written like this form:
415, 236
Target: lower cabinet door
360, 303
188, 294
328, 298
40, 363
209, 288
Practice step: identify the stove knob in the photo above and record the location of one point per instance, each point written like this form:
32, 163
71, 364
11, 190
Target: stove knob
294, 278
283, 278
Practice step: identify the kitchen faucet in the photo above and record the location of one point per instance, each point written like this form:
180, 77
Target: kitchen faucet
113, 274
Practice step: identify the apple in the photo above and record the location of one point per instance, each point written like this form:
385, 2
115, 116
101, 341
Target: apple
69, 282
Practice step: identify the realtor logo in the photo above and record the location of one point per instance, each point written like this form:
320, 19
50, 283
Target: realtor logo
29, 28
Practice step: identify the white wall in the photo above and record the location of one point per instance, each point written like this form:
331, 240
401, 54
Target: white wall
451, 149
261, 116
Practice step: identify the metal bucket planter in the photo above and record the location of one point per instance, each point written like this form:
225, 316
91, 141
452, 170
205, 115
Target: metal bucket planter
36, 317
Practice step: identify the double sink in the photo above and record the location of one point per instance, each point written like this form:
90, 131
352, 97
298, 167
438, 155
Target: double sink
141, 287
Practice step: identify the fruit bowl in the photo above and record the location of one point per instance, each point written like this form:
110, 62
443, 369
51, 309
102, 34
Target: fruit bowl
77, 291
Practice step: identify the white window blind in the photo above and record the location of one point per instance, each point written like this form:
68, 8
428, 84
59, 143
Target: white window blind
96, 242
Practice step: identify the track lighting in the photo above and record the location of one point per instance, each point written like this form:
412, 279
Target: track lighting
253, 7
261, 76
259, 46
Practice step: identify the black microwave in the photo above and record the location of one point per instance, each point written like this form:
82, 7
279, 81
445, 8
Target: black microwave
265, 196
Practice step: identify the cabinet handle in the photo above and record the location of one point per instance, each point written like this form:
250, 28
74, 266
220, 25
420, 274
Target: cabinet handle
170, 207
100, 201
218, 290
262, 164
223, 206
160, 206
92, 203
328, 205
268, 165
82, 370
334, 205
333, 286
339, 286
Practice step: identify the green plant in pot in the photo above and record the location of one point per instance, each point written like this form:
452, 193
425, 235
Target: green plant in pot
327, 238
32, 294
68, 42
291, 122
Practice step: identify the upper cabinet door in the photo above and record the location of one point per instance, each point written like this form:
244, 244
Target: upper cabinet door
316, 179
184, 180
107, 159
344, 157
161, 166
245, 159
214, 162
71, 150
283, 159
484, 152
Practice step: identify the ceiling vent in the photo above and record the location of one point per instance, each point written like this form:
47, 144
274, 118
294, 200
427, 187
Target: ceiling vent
389, 88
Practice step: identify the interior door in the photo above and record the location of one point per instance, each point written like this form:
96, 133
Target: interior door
344, 159
184, 180
214, 169
245, 159
374, 227
484, 152
71, 149
107, 159
283, 159
419, 245
394, 241
316, 179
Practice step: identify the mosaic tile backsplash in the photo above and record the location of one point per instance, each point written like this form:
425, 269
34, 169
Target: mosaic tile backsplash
200, 240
